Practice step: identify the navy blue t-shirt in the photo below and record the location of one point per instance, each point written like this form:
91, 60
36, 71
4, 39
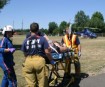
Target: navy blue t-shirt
35, 45
7, 56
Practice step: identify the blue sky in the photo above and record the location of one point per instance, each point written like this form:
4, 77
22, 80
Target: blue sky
45, 11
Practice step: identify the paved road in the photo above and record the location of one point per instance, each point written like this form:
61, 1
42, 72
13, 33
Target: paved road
95, 81
85, 81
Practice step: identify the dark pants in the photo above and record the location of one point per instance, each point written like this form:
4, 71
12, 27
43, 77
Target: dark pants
9, 78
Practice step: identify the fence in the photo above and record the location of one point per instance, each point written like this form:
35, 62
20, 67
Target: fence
100, 34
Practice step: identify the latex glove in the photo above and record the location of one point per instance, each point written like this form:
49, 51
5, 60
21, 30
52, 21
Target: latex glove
12, 50
79, 53
52, 62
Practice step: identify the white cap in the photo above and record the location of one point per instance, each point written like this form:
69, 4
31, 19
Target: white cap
7, 28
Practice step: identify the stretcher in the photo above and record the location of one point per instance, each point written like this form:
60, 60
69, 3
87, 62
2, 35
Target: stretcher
54, 75
60, 58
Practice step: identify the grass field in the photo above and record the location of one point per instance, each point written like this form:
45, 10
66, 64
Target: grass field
92, 59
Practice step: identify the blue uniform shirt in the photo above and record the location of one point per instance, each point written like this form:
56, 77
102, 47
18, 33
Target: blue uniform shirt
7, 56
30, 48
2, 50
2, 60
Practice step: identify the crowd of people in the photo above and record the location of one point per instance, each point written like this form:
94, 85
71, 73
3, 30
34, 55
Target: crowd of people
37, 50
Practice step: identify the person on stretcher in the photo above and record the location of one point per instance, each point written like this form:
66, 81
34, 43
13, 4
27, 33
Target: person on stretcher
57, 49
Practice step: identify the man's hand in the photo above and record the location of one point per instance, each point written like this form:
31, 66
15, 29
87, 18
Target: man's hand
6, 50
52, 62
79, 53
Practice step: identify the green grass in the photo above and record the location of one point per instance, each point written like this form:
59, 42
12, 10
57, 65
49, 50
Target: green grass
1, 75
92, 59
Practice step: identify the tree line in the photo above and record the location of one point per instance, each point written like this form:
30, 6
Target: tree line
95, 23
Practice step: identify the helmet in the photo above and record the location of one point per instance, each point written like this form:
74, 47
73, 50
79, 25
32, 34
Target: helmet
7, 28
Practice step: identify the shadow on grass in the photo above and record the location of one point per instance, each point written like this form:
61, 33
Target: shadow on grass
72, 80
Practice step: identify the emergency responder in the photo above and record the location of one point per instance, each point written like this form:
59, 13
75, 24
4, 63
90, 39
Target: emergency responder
35, 49
2, 50
6, 58
71, 41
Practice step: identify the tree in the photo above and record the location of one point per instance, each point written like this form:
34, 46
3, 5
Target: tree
52, 27
81, 20
63, 26
56, 31
3, 3
44, 30
97, 21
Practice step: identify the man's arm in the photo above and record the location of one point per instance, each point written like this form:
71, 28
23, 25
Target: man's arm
79, 46
62, 42
48, 51
3, 50
62, 48
78, 43
48, 54
46, 37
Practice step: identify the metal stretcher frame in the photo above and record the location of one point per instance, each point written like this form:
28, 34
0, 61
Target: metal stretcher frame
55, 69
